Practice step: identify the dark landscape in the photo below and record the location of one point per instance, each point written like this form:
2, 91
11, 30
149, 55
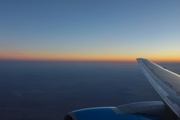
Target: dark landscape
48, 90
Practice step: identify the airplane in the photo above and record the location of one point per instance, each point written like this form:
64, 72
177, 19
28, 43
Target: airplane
165, 82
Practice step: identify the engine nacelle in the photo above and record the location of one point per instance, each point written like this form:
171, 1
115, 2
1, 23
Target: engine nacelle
101, 113
152, 110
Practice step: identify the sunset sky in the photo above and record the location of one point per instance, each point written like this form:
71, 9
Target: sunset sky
90, 30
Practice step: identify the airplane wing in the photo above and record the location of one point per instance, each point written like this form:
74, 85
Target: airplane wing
165, 82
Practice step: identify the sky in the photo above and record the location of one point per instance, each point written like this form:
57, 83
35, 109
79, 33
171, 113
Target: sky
90, 30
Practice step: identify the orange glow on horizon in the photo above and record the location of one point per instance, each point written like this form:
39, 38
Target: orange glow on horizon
71, 59
87, 60
85, 57
165, 59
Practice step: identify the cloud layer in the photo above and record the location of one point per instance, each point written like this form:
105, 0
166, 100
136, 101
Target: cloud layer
109, 43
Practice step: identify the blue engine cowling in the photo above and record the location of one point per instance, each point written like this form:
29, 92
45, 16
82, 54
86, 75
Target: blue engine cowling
106, 113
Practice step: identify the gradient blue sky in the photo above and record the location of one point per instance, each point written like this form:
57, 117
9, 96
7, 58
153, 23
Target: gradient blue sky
91, 30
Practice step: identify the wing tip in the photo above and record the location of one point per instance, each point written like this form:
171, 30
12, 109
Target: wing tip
141, 59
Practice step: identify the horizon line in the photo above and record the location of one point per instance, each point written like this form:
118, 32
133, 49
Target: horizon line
105, 61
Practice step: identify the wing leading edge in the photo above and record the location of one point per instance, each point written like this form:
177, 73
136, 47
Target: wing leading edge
165, 82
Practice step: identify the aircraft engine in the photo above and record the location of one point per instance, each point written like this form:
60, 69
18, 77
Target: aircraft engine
106, 113
151, 110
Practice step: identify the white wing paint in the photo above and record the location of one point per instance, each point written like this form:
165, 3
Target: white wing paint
165, 82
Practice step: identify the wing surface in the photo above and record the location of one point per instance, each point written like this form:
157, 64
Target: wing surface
165, 82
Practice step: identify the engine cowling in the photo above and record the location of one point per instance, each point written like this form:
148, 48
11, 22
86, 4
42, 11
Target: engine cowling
105, 113
152, 110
